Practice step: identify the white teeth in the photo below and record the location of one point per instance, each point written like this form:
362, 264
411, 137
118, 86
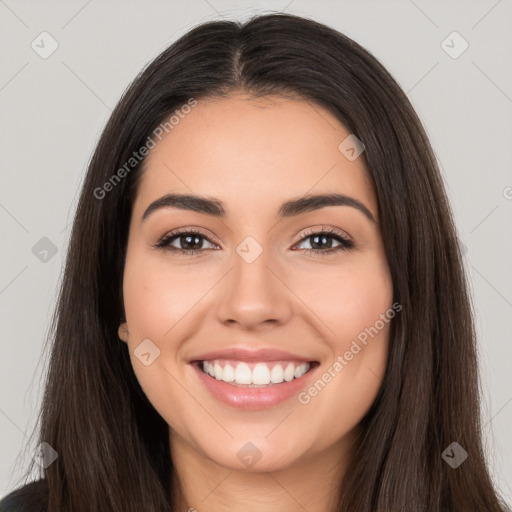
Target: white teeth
262, 374
243, 374
217, 369
228, 374
300, 371
289, 373
208, 368
277, 374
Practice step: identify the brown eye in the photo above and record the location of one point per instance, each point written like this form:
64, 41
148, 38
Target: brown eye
321, 242
188, 242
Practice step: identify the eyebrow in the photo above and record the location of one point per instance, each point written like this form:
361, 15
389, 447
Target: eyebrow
214, 207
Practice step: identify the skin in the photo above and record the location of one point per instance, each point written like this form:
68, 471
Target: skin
253, 155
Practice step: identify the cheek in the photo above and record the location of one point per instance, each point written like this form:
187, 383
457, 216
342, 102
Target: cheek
348, 299
362, 323
157, 296
157, 300
162, 304
355, 305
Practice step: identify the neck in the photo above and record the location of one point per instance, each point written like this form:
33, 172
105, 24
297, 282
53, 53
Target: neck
311, 483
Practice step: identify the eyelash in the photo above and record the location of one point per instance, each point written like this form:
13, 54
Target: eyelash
346, 244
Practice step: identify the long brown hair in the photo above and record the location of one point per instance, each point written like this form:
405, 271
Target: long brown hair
112, 445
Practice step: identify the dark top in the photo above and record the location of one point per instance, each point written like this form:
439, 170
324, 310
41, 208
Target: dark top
32, 497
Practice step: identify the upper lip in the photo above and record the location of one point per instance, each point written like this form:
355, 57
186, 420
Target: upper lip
244, 354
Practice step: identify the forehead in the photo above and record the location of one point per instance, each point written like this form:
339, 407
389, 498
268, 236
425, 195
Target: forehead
253, 152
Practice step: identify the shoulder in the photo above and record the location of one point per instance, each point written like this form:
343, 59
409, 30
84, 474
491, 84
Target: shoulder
31, 497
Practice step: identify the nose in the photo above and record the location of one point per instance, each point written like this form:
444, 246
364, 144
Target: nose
254, 296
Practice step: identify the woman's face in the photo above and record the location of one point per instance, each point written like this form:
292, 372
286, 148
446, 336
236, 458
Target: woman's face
253, 291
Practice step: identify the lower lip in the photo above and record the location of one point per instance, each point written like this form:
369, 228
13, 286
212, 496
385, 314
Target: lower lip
254, 398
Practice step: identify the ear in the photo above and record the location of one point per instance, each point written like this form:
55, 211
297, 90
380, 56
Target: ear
122, 332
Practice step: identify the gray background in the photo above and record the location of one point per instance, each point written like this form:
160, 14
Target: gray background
53, 109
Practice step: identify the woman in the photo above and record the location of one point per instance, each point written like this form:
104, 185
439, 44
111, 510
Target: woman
204, 357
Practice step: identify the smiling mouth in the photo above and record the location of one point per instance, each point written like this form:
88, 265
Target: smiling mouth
257, 374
